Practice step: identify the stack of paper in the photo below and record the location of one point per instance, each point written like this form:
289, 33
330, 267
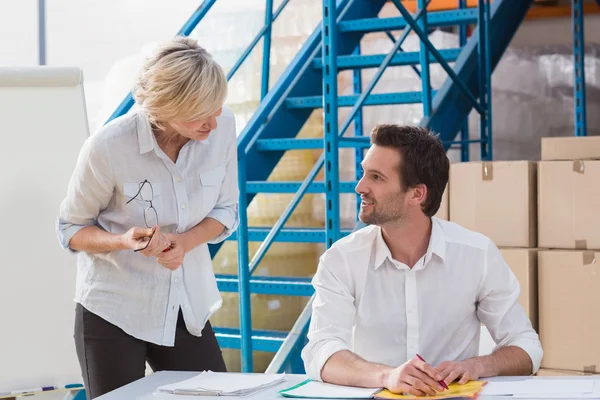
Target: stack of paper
545, 388
222, 384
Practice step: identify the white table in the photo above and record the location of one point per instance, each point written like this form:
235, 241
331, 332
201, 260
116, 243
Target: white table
144, 388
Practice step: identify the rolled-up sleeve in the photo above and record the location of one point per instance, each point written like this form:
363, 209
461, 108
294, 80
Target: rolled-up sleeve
90, 190
501, 312
226, 210
333, 316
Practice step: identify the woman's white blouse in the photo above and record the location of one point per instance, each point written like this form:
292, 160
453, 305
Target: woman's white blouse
125, 288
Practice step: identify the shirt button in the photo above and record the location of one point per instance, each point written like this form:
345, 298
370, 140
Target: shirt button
183, 206
178, 179
176, 280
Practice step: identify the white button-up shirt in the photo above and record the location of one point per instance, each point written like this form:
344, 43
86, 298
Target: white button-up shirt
386, 312
128, 289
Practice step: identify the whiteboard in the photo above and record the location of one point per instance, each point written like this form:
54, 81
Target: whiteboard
43, 124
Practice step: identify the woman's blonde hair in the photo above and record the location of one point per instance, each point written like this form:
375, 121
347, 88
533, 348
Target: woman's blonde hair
180, 82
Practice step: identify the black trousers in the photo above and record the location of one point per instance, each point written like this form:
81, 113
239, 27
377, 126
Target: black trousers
110, 358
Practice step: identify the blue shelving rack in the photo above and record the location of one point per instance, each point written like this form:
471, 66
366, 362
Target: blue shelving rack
310, 82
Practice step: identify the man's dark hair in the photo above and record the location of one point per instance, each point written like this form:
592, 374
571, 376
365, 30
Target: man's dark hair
424, 160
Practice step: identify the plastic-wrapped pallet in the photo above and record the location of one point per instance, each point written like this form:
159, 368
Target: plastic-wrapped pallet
532, 98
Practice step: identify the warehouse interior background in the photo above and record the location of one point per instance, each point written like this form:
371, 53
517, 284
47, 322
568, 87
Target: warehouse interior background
535, 211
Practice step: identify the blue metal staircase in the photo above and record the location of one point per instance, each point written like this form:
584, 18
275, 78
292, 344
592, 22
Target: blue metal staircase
310, 82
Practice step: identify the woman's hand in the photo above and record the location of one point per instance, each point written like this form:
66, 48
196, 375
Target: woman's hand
172, 257
137, 238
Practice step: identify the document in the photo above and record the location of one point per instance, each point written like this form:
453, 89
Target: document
545, 388
318, 390
222, 384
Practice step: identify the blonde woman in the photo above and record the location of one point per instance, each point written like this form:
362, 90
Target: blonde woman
149, 191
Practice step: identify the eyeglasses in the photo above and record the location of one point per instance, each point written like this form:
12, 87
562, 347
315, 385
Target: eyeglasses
146, 193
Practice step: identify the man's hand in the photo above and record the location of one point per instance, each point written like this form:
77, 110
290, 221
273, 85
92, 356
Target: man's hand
172, 257
137, 238
415, 377
467, 370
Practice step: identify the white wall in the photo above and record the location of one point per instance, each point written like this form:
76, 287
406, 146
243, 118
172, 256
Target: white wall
43, 127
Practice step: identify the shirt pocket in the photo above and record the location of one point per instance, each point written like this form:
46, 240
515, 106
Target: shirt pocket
211, 182
138, 210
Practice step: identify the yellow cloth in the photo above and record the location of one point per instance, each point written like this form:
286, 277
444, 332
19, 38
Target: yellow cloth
469, 389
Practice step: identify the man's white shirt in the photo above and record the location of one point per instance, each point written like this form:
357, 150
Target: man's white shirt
386, 312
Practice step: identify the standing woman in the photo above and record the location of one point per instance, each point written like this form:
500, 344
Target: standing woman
149, 191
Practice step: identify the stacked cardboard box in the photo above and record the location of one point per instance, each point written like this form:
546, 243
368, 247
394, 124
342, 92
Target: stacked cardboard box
569, 270
499, 200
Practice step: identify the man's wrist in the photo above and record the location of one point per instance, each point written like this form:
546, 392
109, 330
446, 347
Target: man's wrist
384, 376
483, 366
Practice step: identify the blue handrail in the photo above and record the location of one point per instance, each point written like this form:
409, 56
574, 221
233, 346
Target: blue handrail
266, 49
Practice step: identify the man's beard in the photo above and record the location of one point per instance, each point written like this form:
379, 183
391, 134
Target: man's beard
388, 210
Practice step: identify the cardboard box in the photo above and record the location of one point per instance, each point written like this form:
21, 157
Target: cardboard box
444, 211
560, 372
569, 306
569, 204
523, 263
571, 148
497, 199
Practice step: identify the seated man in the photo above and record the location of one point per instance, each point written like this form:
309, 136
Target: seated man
410, 285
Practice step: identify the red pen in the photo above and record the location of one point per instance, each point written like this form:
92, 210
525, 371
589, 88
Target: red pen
440, 382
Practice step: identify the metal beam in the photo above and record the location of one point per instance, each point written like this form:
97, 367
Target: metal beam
578, 61
282, 286
350, 100
435, 19
269, 341
374, 61
307, 144
292, 187
290, 235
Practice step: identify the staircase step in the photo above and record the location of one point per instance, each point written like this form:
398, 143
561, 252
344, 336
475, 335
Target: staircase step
349, 101
289, 235
293, 187
283, 286
262, 340
309, 144
434, 19
374, 61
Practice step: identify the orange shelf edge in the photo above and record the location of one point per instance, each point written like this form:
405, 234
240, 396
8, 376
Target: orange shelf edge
534, 12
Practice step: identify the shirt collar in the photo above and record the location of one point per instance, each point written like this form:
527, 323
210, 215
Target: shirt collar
146, 139
437, 245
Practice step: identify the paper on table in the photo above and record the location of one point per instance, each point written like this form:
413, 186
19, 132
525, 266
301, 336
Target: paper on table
468, 390
548, 388
312, 389
223, 384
